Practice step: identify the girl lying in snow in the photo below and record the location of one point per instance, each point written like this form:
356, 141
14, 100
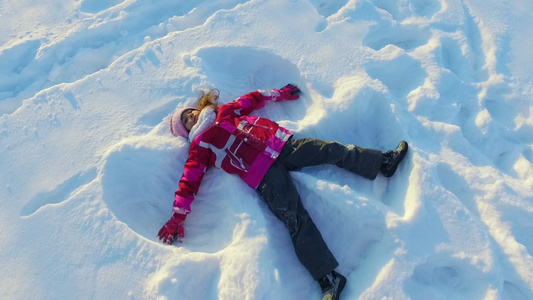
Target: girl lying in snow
262, 153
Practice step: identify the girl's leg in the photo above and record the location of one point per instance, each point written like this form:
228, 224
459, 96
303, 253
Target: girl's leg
300, 153
281, 196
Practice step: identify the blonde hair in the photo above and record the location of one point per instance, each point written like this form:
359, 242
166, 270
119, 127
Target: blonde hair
208, 99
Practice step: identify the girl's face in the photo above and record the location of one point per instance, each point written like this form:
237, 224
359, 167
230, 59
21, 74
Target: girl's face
189, 117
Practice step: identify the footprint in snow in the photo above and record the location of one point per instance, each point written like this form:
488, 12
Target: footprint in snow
447, 278
327, 7
401, 75
400, 10
13, 62
60, 193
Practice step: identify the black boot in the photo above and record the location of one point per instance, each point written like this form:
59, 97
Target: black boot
391, 159
332, 285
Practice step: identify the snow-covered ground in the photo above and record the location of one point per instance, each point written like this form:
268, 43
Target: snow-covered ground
89, 168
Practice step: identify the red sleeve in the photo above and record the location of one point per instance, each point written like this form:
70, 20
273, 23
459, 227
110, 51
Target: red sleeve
244, 105
193, 173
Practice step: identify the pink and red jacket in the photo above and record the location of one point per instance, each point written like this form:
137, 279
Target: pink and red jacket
237, 143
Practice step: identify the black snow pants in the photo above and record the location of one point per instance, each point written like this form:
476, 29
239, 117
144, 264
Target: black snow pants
281, 196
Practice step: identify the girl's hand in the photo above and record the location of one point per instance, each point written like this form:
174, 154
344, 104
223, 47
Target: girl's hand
290, 92
173, 227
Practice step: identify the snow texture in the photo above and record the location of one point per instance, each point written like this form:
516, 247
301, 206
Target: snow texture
89, 167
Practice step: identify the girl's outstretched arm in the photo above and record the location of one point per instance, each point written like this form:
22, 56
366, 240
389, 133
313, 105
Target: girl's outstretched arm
193, 173
244, 105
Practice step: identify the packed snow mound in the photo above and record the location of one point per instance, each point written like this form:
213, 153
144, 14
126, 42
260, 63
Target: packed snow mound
89, 167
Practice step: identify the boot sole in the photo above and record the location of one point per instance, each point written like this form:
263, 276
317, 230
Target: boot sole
391, 171
336, 296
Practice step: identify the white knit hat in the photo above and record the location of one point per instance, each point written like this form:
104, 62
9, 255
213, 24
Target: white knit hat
176, 126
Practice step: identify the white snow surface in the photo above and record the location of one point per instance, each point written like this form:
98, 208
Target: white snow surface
89, 167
